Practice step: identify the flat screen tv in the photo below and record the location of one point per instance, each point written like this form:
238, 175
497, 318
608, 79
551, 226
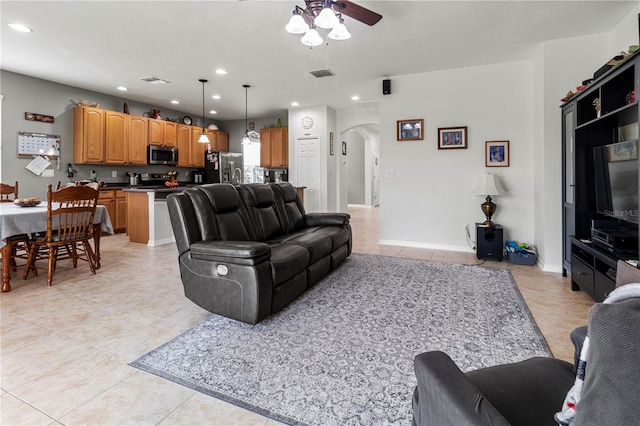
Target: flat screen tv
616, 180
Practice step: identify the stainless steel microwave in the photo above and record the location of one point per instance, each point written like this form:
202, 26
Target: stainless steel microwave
162, 155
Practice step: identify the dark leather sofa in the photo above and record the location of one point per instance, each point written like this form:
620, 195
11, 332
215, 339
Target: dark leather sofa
247, 251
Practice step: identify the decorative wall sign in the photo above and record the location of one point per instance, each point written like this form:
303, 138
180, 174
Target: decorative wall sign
330, 143
344, 148
31, 116
30, 144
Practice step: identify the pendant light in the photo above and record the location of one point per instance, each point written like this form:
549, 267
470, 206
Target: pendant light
203, 137
246, 140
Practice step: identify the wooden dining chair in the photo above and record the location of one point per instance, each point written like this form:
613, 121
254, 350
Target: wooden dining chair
70, 213
8, 193
19, 243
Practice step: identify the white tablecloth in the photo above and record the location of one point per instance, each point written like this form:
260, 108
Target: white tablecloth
16, 220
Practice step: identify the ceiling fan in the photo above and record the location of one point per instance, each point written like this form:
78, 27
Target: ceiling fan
327, 14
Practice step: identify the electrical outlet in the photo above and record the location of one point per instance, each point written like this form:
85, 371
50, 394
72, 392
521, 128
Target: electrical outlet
114, 174
47, 173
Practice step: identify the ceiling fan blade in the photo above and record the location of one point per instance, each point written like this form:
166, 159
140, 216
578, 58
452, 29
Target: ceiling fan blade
359, 13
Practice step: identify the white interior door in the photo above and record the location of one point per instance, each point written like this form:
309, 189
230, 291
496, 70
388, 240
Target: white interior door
308, 171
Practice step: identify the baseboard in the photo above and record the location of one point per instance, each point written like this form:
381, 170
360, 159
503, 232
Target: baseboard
464, 249
153, 243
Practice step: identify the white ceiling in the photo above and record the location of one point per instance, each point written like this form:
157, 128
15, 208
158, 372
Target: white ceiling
101, 45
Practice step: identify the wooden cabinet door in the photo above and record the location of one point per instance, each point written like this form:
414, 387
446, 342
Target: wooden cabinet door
170, 134
120, 210
223, 141
265, 147
183, 142
197, 148
213, 139
88, 135
277, 147
138, 140
107, 199
156, 132
116, 140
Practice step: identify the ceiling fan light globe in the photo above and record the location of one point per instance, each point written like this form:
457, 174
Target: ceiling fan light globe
326, 19
339, 32
311, 38
297, 25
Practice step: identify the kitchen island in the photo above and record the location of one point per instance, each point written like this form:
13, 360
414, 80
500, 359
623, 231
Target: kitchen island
147, 214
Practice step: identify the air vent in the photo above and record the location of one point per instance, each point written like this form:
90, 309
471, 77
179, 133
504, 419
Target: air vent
154, 80
322, 73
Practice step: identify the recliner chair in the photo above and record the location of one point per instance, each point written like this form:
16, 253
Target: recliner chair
530, 392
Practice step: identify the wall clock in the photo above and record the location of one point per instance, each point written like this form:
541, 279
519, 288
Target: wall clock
307, 122
187, 120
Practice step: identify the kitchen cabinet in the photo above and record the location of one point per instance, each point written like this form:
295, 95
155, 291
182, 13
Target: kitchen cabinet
213, 139
183, 142
274, 147
116, 203
197, 148
137, 140
223, 141
116, 137
162, 133
88, 135
156, 132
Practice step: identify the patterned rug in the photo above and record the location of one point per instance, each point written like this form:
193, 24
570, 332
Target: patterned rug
342, 353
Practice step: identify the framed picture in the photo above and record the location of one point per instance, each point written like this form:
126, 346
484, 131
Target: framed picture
496, 154
330, 143
452, 137
344, 148
410, 130
623, 151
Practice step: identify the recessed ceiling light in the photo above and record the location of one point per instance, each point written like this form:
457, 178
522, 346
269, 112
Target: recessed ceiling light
216, 96
213, 112
294, 104
175, 101
124, 89
220, 71
355, 98
21, 28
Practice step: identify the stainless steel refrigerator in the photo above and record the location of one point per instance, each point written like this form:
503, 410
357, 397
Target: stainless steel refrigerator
223, 167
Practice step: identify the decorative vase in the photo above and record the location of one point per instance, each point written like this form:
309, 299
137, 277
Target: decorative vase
597, 113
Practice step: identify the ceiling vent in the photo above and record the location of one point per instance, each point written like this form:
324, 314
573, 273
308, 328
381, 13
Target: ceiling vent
322, 73
154, 80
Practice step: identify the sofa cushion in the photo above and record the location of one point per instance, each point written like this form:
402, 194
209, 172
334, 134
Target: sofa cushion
317, 244
289, 206
287, 260
231, 219
261, 207
339, 235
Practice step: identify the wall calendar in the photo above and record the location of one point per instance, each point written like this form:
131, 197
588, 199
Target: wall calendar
30, 144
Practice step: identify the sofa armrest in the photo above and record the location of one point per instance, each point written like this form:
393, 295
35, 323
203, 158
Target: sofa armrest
237, 252
445, 396
327, 219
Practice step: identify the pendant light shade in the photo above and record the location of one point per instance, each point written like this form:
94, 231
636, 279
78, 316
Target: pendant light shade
245, 139
203, 136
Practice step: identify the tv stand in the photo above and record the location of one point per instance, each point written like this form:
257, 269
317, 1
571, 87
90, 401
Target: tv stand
592, 270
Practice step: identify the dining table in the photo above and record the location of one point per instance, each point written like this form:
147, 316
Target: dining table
17, 220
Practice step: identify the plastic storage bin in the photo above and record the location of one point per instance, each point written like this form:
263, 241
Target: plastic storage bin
521, 258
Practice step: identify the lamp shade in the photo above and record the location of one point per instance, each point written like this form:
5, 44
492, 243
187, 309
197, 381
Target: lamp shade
297, 25
339, 32
326, 18
311, 38
489, 185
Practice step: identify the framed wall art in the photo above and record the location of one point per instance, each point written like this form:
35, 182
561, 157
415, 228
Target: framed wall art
410, 130
452, 137
496, 154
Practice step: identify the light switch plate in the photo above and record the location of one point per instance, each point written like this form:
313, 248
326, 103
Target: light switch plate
47, 173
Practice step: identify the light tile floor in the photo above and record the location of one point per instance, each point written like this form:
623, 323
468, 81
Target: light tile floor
65, 348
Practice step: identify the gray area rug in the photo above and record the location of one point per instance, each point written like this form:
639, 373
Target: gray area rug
342, 354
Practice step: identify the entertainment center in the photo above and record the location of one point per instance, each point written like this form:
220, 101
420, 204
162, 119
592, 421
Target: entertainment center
600, 178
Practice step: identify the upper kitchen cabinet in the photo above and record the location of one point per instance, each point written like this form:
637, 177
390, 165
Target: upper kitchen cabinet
183, 142
170, 133
88, 135
162, 133
223, 141
274, 147
116, 131
138, 140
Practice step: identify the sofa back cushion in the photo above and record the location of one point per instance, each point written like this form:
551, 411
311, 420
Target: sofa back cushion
261, 207
220, 213
289, 205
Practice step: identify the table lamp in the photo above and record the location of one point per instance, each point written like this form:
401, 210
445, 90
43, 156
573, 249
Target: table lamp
487, 186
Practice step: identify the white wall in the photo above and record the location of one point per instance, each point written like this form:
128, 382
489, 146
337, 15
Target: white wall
355, 167
429, 201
